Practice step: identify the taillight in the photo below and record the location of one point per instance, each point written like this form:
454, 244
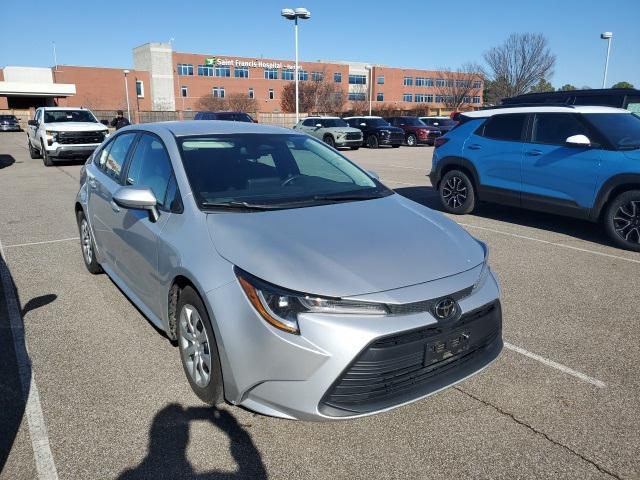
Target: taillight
439, 141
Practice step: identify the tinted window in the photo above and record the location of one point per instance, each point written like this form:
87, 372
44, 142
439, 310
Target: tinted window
267, 169
621, 129
113, 156
377, 122
555, 128
226, 116
309, 122
150, 167
505, 127
51, 116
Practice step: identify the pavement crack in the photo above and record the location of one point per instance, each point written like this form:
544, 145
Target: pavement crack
541, 433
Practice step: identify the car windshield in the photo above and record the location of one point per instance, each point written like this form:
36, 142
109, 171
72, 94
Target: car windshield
271, 171
8, 117
621, 129
334, 122
377, 122
442, 122
51, 116
412, 121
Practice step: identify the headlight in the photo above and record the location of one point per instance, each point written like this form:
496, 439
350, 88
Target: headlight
51, 133
484, 273
384, 132
280, 307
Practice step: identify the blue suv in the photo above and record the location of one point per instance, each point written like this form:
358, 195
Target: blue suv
582, 162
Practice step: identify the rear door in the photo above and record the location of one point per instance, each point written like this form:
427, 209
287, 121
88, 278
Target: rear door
103, 181
495, 150
557, 176
137, 241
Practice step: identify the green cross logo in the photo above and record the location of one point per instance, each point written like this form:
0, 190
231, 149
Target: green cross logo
210, 62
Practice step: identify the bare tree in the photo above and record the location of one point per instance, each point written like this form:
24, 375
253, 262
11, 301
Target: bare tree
458, 87
240, 102
360, 105
519, 63
211, 103
317, 95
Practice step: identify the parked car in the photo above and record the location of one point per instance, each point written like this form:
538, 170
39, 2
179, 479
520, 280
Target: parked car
294, 283
415, 131
230, 116
444, 124
64, 132
582, 162
627, 98
9, 123
331, 130
377, 131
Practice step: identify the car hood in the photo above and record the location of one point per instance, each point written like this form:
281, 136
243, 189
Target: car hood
342, 130
75, 126
346, 249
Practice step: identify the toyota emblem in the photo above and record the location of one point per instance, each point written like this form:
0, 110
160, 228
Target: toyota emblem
445, 309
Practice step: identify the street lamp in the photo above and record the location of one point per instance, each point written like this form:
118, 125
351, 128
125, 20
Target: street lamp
370, 70
126, 92
295, 14
606, 36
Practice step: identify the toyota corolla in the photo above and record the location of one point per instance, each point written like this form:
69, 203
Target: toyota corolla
294, 283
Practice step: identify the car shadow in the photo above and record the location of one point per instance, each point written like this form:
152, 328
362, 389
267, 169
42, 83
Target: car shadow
15, 371
6, 160
582, 229
169, 438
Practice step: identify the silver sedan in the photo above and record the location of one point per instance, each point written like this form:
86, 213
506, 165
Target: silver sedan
294, 283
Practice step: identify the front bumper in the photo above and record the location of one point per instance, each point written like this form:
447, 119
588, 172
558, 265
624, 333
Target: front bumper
303, 376
71, 151
10, 128
349, 143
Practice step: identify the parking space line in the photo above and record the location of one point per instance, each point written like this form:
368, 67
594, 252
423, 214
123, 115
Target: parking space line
570, 247
404, 166
41, 243
557, 366
45, 465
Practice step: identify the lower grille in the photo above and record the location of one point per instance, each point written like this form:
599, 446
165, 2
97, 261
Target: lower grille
397, 137
77, 138
353, 136
402, 367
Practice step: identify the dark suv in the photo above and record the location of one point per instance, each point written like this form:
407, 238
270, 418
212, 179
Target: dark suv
415, 131
231, 116
377, 131
9, 123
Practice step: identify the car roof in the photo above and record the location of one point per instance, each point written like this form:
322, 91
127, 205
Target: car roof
65, 108
546, 109
361, 116
221, 111
210, 127
321, 117
441, 117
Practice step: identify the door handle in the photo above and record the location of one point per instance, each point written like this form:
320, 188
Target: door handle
114, 206
474, 146
534, 153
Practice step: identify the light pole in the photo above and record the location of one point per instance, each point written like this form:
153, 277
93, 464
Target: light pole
370, 70
606, 36
126, 92
295, 14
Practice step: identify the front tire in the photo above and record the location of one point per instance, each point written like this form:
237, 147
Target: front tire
411, 140
622, 220
46, 158
328, 139
87, 244
33, 153
354, 148
372, 141
457, 193
198, 349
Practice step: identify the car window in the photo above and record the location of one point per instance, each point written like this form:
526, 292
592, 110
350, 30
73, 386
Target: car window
555, 128
113, 156
226, 116
52, 116
150, 166
505, 127
622, 130
308, 122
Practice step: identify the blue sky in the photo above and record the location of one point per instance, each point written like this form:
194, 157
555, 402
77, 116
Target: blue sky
422, 33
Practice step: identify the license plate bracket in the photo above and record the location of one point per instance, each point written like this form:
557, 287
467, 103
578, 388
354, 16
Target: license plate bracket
446, 347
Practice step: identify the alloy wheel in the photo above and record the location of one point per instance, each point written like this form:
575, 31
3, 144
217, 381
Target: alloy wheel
411, 140
195, 346
626, 221
87, 249
454, 192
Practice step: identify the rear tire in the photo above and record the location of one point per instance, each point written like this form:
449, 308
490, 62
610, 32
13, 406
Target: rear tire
198, 348
328, 139
33, 153
372, 141
457, 194
622, 220
46, 159
87, 244
411, 140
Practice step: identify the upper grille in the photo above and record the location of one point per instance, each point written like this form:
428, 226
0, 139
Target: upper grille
398, 368
76, 138
353, 136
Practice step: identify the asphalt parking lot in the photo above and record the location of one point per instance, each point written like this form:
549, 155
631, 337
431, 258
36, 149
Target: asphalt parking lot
97, 392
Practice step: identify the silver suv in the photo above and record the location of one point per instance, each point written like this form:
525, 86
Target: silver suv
294, 283
331, 130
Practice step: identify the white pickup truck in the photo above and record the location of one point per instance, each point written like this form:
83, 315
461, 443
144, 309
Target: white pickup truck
64, 132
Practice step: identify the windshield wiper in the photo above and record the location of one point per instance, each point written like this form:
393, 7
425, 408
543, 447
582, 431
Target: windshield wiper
345, 196
628, 147
235, 205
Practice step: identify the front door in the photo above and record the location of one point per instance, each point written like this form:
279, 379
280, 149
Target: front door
556, 175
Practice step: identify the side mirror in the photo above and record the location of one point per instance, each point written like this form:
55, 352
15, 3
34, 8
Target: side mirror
318, 125
363, 124
578, 140
137, 198
105, 122
374, 174
33, 123
435, 124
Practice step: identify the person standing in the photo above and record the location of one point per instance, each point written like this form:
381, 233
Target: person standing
119, 121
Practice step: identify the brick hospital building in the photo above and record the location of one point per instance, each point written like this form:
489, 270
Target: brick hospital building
164, 80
